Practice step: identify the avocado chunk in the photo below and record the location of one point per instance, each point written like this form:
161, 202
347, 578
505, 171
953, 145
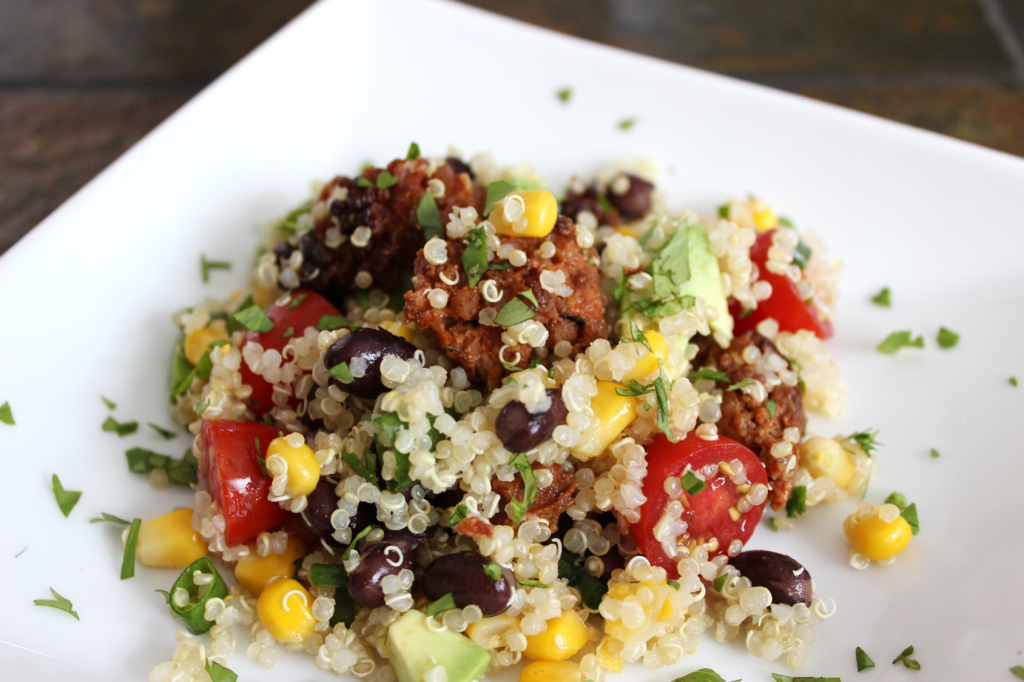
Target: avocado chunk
414, 649
706, 279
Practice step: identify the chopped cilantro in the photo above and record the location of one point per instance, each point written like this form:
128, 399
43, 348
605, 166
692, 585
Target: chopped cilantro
1018, 670
802, 255
445, 603
863, 661
233, 325
296, 301
797, 503
288, 333
413, 153
571, 568
883, 298
219, 673
516, 311
907, 511
691, 484
110, 518
519, 508
58, 602
290, 223
674, 585
120, 429
208, 265
771, 406
786, 221
741, 385
341, 371
529, 296
661, 391
111, 405
331, 322
634, 388
429, 217
259, 458
510, 367
564, 95
935, 454
702, 675
352, 545
867, 440
205, 365
128, 562
627, 123
898, 340
180, 471
720, 582
328, 575
474, 257
1011, 380
947, 338
201, 406
712, 374
723, 210
638, 336
350, 459
21, 552
254, 319
745, 313
496, 191
66, 499
906, 660
460, 513
660, 308
532, 583
165, 433
620, 288
606, 206
778, 677
386, 180
364, 182
453, 349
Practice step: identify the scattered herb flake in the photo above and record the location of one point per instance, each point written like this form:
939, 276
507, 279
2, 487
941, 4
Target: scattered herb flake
712, 374
496, 191
288, 333
254, 319
863, 661
413, 153
514, 312
745, 313
121, 429
208, 265
493, 571
883, 298
290, 223
110, 518
532, 583
702, 675
935, 454
797, 503
386, 180
786, 678
429, 217
128, 562
219, 673
341, 371
907, 511
529, 296
350, 459
898, 340
460, 513
332, 322
201, 406
165, 433
571, 568
906, 660
510, 367
474, 257
1018, 670
1012, 380
638, 336
328, 575
58, 602
661, 392
564, 95
771, 406
180, 471
21, 552
445, 603
802, 255
674, 585
867, 440
111, 405
947, 338
691, 484
519, 508
359, 536
363, 182
627, 123
259, 458
720, 582
453, 349
741, 385
296, 301
66, 499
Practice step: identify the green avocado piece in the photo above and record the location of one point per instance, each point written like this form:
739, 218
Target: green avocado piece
706, 279
414, 649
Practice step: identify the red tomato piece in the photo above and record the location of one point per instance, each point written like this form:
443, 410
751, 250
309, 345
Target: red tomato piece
307, 313
784, 305
708, 511
235, 480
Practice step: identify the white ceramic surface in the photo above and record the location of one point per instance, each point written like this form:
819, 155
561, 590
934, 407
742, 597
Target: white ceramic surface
87, 296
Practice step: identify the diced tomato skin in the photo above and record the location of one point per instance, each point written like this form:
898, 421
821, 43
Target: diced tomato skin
784, 305
235, 481
665, 460
307, 314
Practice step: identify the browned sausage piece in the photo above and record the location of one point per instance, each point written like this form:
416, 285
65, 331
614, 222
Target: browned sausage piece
551, 501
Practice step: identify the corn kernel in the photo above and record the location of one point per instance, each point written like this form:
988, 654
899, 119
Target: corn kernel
303, 469
564, 637
626, 231
169, 541
199, 340
285, 610
399, 329
253, 572
540, 210
875, 538
615, 412
606, 659
649, 363
825, 457
764, 216
551, 671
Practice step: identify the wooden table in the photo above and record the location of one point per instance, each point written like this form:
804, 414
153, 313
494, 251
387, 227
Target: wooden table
82, 80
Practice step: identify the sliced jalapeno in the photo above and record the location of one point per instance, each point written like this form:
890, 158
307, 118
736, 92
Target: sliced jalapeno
193, 610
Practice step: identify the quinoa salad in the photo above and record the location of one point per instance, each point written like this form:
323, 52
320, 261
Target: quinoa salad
460, 421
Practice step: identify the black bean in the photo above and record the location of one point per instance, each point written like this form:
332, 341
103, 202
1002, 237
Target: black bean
371, 345
636, 202
464, 576
379, 561
519, 431
459, 166
787, 580
322, 503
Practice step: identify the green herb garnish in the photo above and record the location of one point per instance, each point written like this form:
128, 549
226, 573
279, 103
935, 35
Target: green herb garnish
720, 582
259, 458
474, 257
290, 223
867, 440
207, 265
564, 95
429, 217
66, 499
58, 602
898, 340
496, 191
1018, 670
802, 255
741, 385
111, 405
332, 322
121, 429
627, 123
519, 509
674, 585
194, 610
386, 180
201, 406
341, 371
328, 575
532, 583
906, 660
661, 392
863, 661
413, 153
494, 571
638, 336
110, 518
128, 562
712, 374
363, 182
691, 484
352, 545
797, 503
254, 319
180, 471
165, 433
219, 673
1011, 380
571, 567
350, 459
652, 307
296, 301
460, 513
453, 349
204, 368
516, 311
21, 552
288, 333
935, 454
947, 338
530, 297
445, 603
883, 298
702, 675
786, 678
907, 511
771, 406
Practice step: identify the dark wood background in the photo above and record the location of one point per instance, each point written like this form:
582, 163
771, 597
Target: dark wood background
82, 80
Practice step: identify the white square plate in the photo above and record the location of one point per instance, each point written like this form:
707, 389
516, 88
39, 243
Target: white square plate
87, 296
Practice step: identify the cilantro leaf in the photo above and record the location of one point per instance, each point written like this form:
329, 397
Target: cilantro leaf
673, 584
66, 499
907, 511
935, 454
429, 217
947, 338
883, 298
519, 508
661, 392
288, 333
363, 182
328, 575
332, 322
350, 459
906, 660
627, 123
453, 349
691, 484
867, 440
386, 180
128, 562
771, 406
474, 257
797, 503
720, 582
712, 374
165, 433
201, 406
532, 583
652, 307
352, 545
564, 95
58, 602
445, 603
638, 336
110, 518
254, 319
702, 675
341, 371
207, 265
290, 223
741, 385
802, 255
121, 429
516, 311
180, 471
634, 388
898, 340
496, 191
111, 405
460, 513
1018, 670
620, 288
413, 153
493, 571
571, 567
1012, 381
219, 673
863, 660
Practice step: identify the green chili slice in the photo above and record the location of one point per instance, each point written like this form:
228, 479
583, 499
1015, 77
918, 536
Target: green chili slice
193, 612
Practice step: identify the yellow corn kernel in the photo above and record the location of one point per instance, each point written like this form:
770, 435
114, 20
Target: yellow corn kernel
551, 671
303, 469
608, 659
615, 412
875, 538
489, 633
626, 231
169, 541
253, 572
198, 340
399, 329
765, 218
538, 207
825, 457
285, 609
564, 637
649, 363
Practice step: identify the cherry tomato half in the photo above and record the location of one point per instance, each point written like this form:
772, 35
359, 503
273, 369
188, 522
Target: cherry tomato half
784, 305
234, 478
311, 307
708, 511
